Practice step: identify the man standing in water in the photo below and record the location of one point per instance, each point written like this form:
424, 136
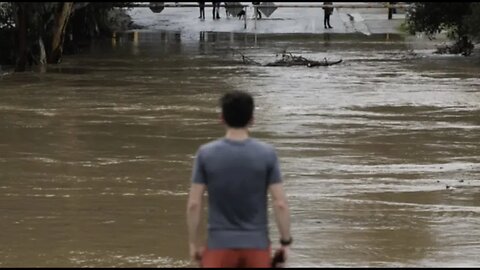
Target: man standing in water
238, 172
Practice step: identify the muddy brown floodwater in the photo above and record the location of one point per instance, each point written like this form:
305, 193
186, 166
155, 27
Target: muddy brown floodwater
96, 154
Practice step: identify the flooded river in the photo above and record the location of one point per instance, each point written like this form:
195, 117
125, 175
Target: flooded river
380, 154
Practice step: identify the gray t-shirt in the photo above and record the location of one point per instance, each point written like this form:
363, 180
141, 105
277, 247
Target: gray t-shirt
237, 175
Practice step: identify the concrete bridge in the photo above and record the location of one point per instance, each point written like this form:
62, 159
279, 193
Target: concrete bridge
294, 17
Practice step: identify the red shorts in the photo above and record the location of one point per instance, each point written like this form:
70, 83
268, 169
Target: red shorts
229, 258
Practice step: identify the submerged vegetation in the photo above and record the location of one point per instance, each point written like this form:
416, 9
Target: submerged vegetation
461, 20
37, 33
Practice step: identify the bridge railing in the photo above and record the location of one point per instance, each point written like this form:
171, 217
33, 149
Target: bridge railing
375, 5
162, 5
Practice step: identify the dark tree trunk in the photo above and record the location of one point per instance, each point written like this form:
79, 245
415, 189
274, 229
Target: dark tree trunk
21, 23
58, 35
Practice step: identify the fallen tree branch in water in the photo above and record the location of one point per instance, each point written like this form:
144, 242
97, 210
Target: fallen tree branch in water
288, 59
247, 60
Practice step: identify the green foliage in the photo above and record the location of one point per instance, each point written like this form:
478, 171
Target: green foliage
6, 15
461, 21
403, 27
473, 21
97, 19
457, 18
433, 17
88, 20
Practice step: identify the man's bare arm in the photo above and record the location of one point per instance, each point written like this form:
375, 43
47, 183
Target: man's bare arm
281, 210
194, 210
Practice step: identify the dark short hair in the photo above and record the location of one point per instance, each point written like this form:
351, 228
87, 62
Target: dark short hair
237, 108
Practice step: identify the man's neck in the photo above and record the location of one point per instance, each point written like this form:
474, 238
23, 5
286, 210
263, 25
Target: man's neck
237, 134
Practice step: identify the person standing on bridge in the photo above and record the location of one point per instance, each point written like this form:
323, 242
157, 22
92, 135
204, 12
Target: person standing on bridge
258, 14
327, 13
216, 10
201, 5
238, 172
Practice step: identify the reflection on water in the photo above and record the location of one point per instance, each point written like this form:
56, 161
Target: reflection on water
380, 154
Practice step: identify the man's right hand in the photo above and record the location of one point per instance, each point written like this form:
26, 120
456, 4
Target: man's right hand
196, 254
283, 253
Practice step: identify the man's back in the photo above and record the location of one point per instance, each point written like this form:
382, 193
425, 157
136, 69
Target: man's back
237, 172
237, 175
